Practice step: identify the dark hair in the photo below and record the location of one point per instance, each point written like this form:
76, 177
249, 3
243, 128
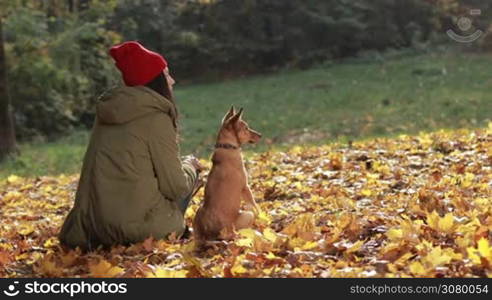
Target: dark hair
160, 85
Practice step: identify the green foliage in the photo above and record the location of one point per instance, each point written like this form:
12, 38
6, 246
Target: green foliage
57, 64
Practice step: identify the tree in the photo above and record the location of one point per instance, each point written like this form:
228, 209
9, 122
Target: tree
7, 131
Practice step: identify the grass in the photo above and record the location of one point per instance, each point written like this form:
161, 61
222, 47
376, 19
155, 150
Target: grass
37, 159
354, 99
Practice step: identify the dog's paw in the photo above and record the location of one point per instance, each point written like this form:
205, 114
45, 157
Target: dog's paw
254, 208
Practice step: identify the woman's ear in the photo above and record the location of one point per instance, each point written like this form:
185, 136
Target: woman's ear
228, 115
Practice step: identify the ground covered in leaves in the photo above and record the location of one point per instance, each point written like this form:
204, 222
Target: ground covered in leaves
413, 206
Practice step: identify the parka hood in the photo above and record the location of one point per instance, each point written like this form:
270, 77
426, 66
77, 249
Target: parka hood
125, 104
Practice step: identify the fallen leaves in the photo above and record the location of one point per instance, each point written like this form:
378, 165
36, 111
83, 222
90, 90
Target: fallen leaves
160, 272
482, 253
444, 224
404, 207
104, 269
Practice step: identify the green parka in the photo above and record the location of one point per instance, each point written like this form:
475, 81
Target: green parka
132, 175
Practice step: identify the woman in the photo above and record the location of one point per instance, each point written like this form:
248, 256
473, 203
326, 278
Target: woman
133, 183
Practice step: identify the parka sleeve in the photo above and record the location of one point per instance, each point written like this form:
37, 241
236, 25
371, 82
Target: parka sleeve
175, 178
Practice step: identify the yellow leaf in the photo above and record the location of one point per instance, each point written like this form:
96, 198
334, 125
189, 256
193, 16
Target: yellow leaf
13, 179
35, 257
51, 242
248, 233
482, 201
268, 271
296, 150
416, 268
446, 224
6, 246
270, 235
26, 229
433, 220
462, 242
438, 257
296, 243
309, 245
392, 268
355, 247
246, 242
380, 168
238, 267
453, 255
425, 139
12, 195
484, 248
104, 269
263, 218
467, 181
47, 189
253, 238
366, 192
22, 256
26, 187
161, 272
473, 255
394, 234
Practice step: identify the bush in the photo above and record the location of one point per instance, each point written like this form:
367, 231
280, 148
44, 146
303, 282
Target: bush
55, 75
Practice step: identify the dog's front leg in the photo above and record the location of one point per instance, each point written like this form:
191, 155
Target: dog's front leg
245, 219
250, 200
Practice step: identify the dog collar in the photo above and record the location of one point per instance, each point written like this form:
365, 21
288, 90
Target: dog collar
226, 146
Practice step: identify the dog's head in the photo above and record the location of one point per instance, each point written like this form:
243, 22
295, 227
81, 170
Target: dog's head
234, 123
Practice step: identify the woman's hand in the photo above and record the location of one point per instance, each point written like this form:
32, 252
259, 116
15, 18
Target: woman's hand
195, 163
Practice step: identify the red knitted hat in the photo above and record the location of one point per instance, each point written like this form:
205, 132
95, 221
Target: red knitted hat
138, 65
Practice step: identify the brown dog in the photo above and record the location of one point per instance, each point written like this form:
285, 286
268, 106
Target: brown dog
227, 184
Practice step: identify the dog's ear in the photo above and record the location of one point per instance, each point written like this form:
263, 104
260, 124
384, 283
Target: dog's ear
237, 116
229, 114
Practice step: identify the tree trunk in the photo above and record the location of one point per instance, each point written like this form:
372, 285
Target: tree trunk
71, 6
7, 131
84, 4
